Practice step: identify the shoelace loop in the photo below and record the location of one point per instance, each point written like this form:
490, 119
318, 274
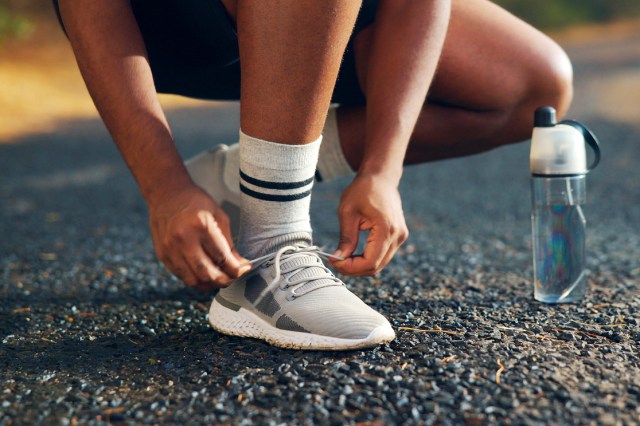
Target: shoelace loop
302, 251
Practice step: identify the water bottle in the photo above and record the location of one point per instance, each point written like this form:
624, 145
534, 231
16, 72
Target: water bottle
558, 191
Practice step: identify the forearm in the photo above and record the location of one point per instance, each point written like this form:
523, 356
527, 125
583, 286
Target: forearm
112, 59
406, 45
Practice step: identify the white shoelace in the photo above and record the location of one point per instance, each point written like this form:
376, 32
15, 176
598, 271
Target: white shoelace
309, 255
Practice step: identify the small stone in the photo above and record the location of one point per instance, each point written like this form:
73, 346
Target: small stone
569, 337
148, 331
617, 337
495, 410
116, 417
431, 407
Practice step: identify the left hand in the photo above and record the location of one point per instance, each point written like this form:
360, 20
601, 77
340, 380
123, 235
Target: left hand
371, 203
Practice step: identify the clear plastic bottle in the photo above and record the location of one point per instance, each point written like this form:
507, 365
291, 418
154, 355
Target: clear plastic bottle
559, 238
558, 191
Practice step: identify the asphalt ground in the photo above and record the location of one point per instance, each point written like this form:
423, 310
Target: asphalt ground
93, 330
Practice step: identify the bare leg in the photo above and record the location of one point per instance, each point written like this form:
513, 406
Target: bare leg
495, 70
290, 53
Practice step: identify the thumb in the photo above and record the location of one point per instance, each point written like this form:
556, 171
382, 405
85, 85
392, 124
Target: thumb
349, 231
245, 265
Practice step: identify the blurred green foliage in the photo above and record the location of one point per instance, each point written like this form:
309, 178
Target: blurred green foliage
13, 24
563, 13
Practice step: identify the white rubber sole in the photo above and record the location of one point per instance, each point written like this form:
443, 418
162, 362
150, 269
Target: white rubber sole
246, 324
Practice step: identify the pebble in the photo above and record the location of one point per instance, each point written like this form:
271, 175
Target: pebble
567, 336
139, 350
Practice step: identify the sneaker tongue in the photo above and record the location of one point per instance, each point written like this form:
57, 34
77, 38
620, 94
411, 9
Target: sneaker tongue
317, 275
277, 243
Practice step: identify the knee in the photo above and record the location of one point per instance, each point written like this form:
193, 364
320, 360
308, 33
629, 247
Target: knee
553, 81
560, 74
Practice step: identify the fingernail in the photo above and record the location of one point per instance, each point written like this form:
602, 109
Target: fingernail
337, 257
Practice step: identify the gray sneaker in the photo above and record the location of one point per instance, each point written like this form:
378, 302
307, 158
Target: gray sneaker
208, 171
291, 300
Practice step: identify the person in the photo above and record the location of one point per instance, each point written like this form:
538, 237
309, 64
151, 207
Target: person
410, 82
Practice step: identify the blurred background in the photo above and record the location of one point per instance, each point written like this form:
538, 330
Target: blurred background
558, 14
41, 88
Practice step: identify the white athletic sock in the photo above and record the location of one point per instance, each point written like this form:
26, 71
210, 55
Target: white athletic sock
332, 163
275, 184
230, 173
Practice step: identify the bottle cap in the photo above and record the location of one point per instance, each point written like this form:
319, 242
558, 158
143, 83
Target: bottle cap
557, 149
545, 117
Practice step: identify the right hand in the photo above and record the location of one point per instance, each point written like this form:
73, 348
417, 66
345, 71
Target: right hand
192, 238
370, 203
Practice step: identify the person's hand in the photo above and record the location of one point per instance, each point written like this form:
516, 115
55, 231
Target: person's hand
370, 203
192, 238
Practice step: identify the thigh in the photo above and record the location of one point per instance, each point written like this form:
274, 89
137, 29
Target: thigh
348, 90
490, 59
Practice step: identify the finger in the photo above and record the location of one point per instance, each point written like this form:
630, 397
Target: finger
201, 264
374, 253
218, 248
391, 252
349, 232
369, 263
204, 269
245, 264
397, 237
182, 270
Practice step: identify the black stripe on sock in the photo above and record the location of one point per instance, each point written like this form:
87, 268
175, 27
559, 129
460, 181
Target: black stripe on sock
272, 197
274, 185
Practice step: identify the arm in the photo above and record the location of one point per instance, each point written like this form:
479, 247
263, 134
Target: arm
113, 61
187, 227
405, 48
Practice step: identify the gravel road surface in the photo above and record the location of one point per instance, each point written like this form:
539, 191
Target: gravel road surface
93, 330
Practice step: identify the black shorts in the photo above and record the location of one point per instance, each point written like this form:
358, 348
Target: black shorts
193, 49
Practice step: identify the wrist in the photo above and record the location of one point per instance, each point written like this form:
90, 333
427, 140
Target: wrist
384, 153
162, 181
389, 172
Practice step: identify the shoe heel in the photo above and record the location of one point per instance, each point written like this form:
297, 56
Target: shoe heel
229, 321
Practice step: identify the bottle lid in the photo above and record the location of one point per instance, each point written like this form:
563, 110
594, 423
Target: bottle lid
556, 149
545, 117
